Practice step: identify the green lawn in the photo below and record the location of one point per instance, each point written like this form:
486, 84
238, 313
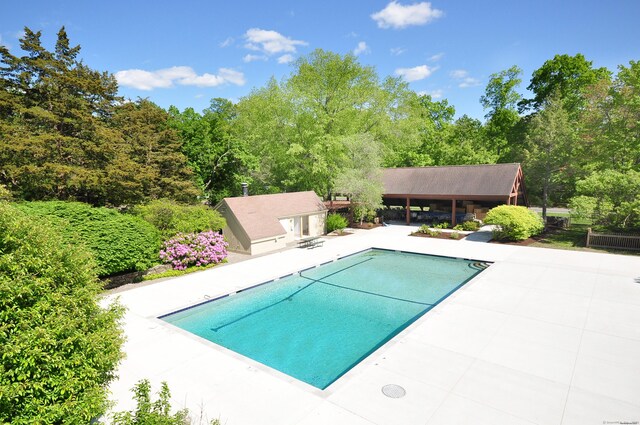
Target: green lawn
574, 238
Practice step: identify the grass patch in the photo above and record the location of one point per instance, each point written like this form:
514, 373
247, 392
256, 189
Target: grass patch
574, 238
175, 273
571, 238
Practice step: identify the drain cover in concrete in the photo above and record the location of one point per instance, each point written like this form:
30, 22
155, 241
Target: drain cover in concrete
393, 391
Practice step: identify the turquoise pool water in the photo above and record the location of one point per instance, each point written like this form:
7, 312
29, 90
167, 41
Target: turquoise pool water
318, 324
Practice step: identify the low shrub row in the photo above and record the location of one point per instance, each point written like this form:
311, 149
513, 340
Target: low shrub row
119, 242
123, 243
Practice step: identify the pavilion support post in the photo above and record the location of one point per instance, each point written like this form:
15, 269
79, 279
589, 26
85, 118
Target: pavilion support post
408, 211
453, 212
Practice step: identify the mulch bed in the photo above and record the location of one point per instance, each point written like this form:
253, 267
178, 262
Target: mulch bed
442, 235
366, 226
538, 238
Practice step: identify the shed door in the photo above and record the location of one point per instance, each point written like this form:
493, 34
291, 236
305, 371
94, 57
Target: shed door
305, 225
296, 227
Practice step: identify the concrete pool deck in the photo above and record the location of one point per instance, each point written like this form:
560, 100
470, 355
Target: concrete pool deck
542, 336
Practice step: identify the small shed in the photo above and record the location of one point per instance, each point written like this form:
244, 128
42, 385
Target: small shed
263, 223
455, 189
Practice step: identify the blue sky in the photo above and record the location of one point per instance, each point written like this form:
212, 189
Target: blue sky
185, 53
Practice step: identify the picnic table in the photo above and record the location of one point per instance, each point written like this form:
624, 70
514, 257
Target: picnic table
310, 242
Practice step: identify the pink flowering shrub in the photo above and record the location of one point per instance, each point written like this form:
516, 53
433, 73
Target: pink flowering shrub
194, 249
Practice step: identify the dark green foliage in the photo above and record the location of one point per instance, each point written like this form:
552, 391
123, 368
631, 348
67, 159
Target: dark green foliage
336, 222
569, 76
149, 164
118, 242
58, 347
65, 134
216, 157
610, 198
170, 217
515, 223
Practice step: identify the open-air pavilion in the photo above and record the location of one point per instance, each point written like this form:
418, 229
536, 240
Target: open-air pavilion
458, 189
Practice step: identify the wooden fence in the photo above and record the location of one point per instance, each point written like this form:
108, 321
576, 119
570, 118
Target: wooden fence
612, 240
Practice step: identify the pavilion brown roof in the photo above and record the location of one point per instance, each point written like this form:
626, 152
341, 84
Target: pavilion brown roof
486, 181
259, 215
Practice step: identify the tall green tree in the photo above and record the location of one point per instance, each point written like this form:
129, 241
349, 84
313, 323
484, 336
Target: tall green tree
362, 178
295, 130
611, 121
501, 99
551, 140
433, 120
65, 134
217, 158
148, 163
53, 138
568, 76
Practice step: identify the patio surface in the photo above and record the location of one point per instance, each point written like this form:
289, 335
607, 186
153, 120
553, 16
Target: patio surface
541, 337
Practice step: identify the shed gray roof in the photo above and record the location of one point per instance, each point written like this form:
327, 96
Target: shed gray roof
494, 180
259, 215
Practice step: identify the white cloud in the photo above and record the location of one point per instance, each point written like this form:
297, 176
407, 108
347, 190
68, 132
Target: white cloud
251, 58
227, 42
361, 48
270, 42
397, 51
416, 73
183, 75
469, 82
436, 57
435, 94
285, 58
398, 16
232, 76
459, 74
464, 80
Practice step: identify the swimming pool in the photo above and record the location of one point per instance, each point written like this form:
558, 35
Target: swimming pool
317, 324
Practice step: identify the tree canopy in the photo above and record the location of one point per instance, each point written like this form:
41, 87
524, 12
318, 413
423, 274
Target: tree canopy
66, 134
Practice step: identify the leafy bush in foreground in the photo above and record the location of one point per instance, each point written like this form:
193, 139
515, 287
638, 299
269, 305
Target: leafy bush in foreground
157, 412
58, 346
336, 222
118, 242
170, 217
194, 249
514, 223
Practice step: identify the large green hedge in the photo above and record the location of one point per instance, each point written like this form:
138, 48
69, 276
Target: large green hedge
119, 242
514, 223
170, 217
58, 347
